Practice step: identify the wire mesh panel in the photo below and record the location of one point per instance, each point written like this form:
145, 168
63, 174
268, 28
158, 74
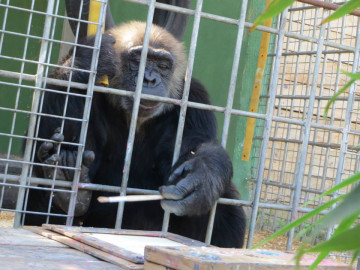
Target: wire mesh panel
294, 174
298, 153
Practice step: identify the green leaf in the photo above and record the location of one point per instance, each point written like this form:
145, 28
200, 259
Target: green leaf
300, 252
348, 240
273, 9
347, 208
354, 76
352, 179
318, 260
300, 220
343, 10
355, 256
346, 223
334, 97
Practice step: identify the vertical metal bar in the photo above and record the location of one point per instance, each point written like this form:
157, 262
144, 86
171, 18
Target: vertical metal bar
267, 128
309, 76
349, 107
65, 106
332, 119
34, 109
41, 106
134, 115
38, 120
185, 97
306, 134
276, 130
230, 101
6, 12
86, 115
17, 99
291, 105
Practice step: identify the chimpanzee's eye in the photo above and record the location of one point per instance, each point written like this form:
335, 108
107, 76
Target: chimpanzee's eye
163, 66
134, 64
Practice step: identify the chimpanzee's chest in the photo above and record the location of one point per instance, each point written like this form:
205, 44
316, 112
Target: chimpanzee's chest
150, 162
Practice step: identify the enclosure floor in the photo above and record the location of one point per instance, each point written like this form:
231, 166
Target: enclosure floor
6, 219
22, 249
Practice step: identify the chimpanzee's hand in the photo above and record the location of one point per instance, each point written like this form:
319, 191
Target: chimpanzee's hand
196, 184
47, 154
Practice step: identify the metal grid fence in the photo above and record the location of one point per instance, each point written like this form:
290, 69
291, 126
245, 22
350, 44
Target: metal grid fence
299, 155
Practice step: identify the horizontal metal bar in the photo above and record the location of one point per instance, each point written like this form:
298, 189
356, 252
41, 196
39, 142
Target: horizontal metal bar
47, 39
312, 143
36, 139
45, 64
35, 213
177, 102
38, 164
32, 87
114, 189
41, 114
247, 24
311, 53
46, 14
307, 97
291, 186
4, 184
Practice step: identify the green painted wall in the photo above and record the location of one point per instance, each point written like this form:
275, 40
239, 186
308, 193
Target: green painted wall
14, 46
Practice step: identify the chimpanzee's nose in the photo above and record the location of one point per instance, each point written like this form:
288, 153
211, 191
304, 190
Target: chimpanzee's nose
151, 79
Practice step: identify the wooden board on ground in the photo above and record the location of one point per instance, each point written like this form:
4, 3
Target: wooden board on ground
124, 264
22, 249
155, 266
201, 258
131, 248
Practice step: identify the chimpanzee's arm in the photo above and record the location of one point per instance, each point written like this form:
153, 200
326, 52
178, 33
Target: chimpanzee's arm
204, 169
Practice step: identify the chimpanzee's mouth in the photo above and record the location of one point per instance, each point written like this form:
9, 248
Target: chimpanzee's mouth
148, 105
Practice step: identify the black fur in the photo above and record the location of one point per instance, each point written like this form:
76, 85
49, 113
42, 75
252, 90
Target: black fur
151, 162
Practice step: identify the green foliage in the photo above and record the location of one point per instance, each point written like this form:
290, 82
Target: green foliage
347, 235
278, 6
274, 8
353, 77
343, 10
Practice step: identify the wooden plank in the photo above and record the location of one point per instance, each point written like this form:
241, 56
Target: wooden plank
204, 258
45, 258
155, 266
22, 249
99, 244
115, 248
21, 237
171, 236
124, 264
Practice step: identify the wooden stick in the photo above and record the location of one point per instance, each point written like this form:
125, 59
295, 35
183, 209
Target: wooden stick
130, 198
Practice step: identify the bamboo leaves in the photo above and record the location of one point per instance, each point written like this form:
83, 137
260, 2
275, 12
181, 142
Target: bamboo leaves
343, 10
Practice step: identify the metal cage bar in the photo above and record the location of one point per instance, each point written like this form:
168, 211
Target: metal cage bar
230, 101
134, 114
185, 98
268, 121
35, 107
306, 135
